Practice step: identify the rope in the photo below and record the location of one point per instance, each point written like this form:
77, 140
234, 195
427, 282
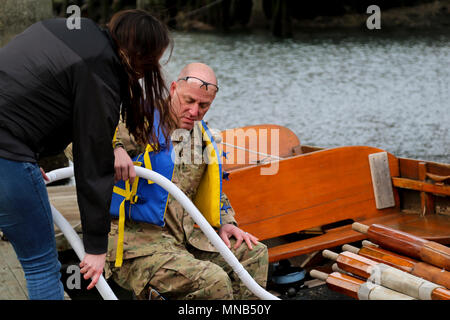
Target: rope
256, 152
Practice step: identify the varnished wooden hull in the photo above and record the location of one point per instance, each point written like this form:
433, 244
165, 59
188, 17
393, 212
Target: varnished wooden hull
412, 195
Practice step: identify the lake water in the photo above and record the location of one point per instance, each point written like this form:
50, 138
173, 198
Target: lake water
387, 90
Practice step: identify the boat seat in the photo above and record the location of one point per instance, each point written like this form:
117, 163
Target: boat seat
316, 189
433, 227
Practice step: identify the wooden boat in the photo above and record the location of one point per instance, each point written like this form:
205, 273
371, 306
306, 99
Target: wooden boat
301, 199
329, 189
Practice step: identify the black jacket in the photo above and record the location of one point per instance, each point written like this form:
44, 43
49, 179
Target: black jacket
59, 86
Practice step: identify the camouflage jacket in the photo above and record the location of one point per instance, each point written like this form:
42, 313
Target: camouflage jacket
143, 239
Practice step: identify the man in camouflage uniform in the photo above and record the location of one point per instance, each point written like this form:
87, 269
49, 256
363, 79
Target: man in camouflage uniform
178, 260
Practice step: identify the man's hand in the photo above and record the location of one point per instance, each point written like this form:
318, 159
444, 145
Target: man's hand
123, 166
229, 230
92, 267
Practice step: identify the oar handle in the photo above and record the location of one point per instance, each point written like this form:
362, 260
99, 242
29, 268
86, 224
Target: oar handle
362, 228
319, 275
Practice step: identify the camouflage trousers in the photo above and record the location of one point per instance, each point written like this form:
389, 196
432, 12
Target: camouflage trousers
194, 274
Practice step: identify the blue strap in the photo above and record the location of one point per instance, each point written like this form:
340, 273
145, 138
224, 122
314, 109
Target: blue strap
225, 207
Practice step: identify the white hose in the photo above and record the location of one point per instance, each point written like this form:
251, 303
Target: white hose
207, 230
228, 256
59, 174
102, 286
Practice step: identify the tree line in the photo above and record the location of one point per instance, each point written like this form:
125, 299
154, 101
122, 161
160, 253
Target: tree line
223, 15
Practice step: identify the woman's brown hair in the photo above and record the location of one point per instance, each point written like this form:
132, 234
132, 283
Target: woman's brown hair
142, 40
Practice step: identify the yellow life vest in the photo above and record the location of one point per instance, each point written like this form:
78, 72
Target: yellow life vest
145, 201
208, 196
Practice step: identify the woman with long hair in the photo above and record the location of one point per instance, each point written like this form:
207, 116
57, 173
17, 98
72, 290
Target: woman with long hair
59, 86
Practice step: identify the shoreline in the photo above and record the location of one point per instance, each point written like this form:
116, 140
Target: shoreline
435, 15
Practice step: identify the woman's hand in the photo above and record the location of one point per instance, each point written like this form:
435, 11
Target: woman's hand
46, 178
92, 267
123, 166
229, 230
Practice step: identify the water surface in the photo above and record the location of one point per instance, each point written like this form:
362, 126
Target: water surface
387, 90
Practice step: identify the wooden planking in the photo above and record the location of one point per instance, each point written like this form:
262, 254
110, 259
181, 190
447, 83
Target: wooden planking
311, 217
381, 180
9, 286
431, 227
12, 279
325, 241
426, 199
64, 198
409, 168
421, 186
308, 191
309, 149
440, 169
13, 285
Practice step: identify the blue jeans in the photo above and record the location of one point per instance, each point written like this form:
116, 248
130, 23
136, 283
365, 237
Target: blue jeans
26, 220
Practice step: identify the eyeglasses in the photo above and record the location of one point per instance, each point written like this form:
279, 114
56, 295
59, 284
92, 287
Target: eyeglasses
200, 82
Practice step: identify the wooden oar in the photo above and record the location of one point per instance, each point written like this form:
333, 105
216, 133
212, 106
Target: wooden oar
388, 276
356, 288
418, 268
412, 246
